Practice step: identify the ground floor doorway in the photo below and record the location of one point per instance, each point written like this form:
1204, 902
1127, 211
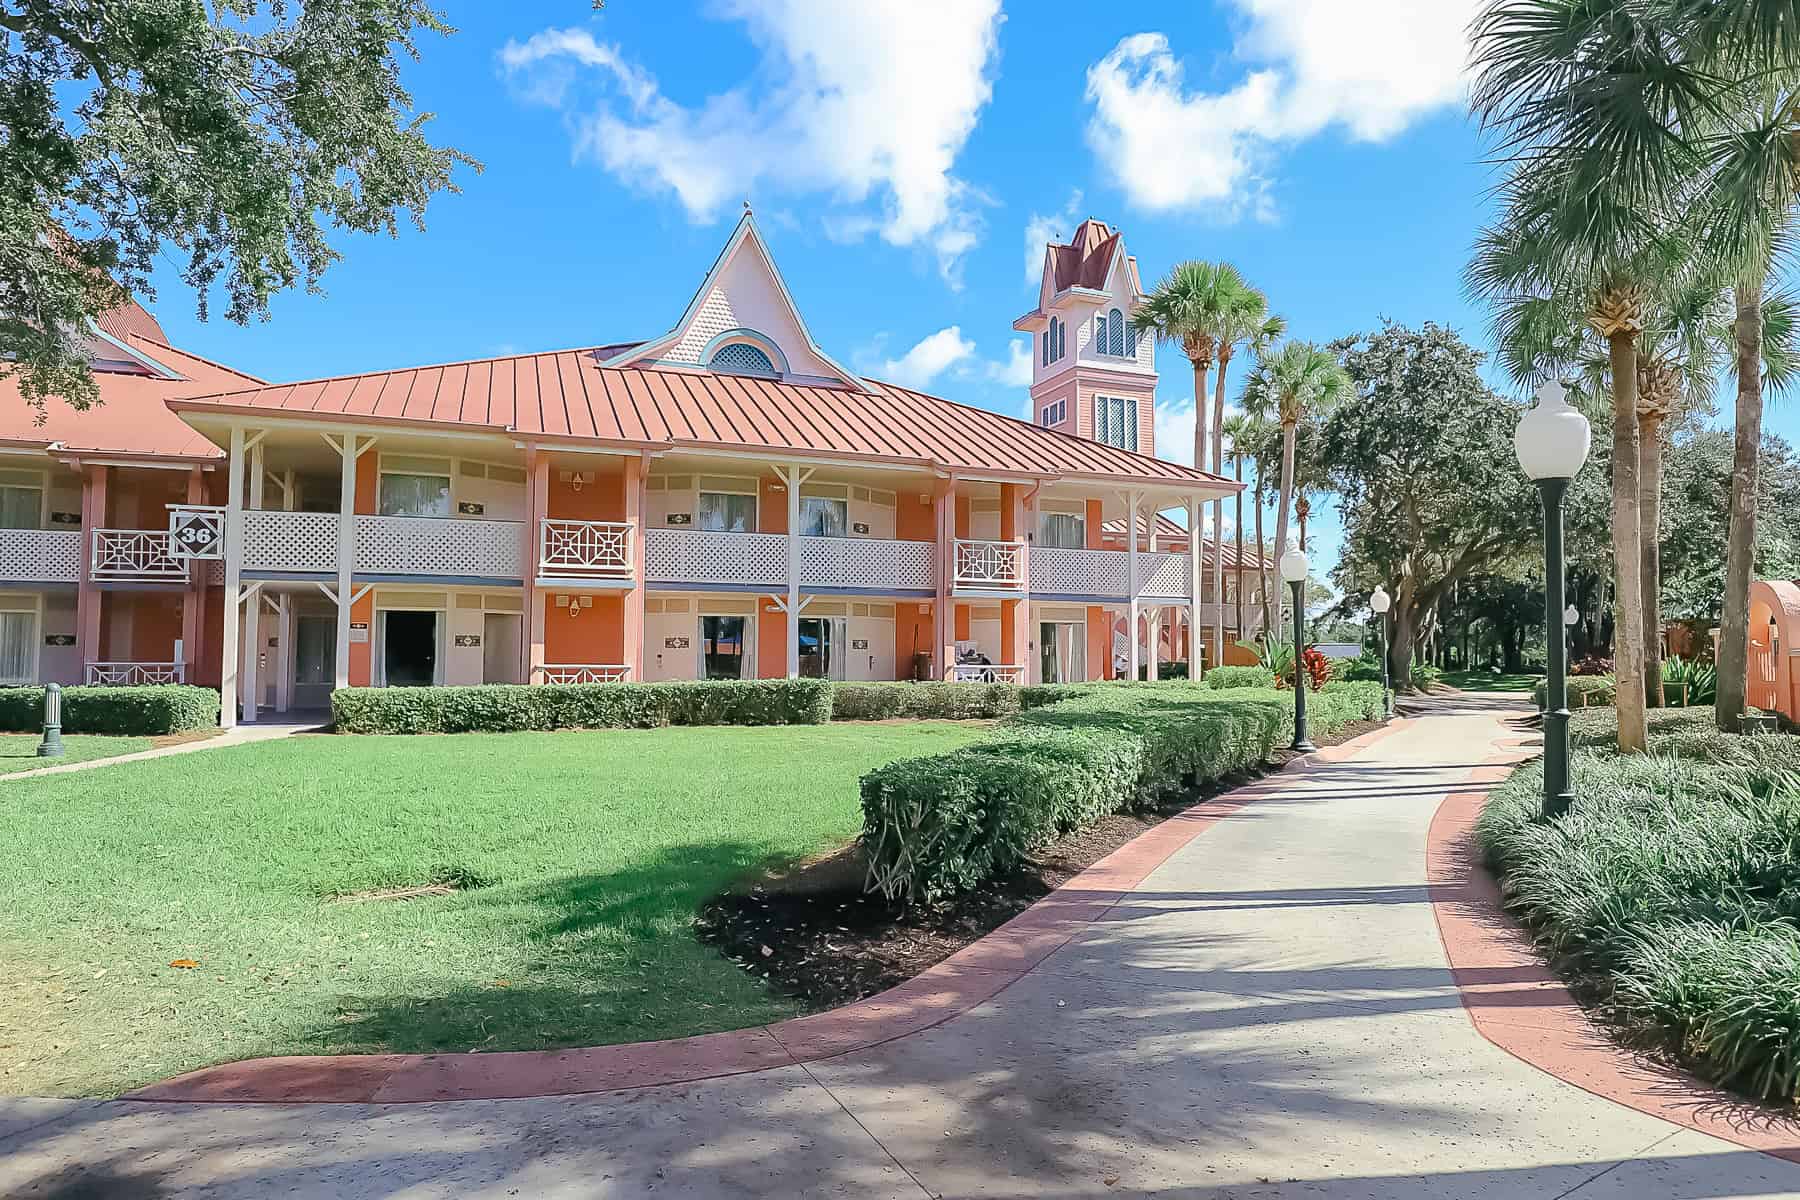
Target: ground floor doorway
410, 647
1062, 652
822, 644
725, 648
501, 638
315, 659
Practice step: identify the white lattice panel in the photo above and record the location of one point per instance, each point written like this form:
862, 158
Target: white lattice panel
1078, 572
290, 541
1163, 576
440, 546
135, 554
866, 563
596, 548
702, 556
40, 555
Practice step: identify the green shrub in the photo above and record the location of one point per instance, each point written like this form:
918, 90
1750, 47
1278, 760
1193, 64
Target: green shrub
1426, 676
125, 711
1240, 677
939, 825
1164, 672
1671, 891
932, 701
1689, 683
1585, 691
505, 708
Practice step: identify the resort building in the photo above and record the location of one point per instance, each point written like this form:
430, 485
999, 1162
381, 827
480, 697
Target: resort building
723, 501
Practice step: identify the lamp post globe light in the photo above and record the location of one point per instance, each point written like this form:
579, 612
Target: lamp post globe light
1379, 604
1552, 443
1294, 568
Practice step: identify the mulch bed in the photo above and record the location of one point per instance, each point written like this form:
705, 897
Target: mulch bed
814, 935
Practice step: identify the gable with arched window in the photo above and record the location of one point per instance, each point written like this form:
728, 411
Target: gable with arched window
745, 352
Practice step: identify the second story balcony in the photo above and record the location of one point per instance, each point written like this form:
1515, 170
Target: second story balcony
40, 555
136, 555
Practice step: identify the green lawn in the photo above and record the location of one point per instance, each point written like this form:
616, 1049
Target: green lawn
1484, 681
586, 855
18, 751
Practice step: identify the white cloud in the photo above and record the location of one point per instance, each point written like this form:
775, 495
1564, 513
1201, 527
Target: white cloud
931, 357
868, 104
1015, 372
1371, 67
1040, 231
1175, 428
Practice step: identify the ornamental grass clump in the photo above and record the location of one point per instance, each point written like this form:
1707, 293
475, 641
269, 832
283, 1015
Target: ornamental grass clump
1669, 896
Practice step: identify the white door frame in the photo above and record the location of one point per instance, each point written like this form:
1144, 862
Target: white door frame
378, 639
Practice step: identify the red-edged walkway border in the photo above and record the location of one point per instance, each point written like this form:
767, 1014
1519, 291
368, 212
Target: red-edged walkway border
1515, 1002
969, 977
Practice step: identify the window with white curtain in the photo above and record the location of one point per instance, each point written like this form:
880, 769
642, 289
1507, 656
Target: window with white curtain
1116, 421
726, 512
21, 507
414, 487
18, 637
1062, 531
823, 516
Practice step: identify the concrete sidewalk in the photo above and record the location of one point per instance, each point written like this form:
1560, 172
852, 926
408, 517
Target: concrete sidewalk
237, 735
1269, 1014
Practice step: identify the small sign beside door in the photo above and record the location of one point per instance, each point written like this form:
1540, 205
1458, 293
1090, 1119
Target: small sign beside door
468, 639
471, 508
65, 518
681, 518
861, 528
359, 631
676, 643
859, 643
59, 639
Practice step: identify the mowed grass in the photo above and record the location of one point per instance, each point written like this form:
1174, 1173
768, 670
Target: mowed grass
18, 751
1486, 681
581, 858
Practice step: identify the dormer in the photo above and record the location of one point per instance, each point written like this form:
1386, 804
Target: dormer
742, 321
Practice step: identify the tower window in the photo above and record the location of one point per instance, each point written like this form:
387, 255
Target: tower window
742, 358
1099, 333
1053, 413
1116, 421
1058, 328
1115, 333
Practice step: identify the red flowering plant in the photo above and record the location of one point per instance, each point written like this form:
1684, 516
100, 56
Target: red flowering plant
1318, 667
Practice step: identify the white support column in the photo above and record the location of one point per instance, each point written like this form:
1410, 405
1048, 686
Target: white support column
346, 553
252, 650
234, 568
284, 651
258, 477
1153, 623
794, 478
1132, 502
1195, 649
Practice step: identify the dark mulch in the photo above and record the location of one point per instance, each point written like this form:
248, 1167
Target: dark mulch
816, 936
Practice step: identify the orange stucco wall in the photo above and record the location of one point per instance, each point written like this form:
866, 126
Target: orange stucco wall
771, 642
913, 521
771, 506
139, 626
362, 653
600, 499
913, 631
1099, 634
596, 636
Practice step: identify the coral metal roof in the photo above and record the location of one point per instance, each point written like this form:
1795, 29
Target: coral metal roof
1173, 536
568, 395
132, 418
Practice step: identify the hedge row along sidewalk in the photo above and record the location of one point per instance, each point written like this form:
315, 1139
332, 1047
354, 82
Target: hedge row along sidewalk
513, 708
1668, 897
131, 711
933, 827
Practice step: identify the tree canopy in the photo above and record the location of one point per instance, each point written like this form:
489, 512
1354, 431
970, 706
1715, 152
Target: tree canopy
238, 133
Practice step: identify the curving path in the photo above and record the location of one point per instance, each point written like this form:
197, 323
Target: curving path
1270, 1012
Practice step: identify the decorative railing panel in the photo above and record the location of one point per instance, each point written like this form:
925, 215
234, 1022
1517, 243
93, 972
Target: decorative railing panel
986, 673
40, 555
586, 549
704, 556
1078, 572
997, 565
440, 546
290, 541
876, 563
134, 674
135, 554
586, 673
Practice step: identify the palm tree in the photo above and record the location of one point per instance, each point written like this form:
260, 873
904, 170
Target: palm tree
1237, 428
1244, 320
1298, 382
1185, 309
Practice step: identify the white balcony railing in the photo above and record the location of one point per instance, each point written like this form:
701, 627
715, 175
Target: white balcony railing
290, 541
1057, 571
40, 555
986, 673
996, 565
878, 563
706, 556
586, 673
134, 674
440, 546
584, 549
1162, 576
135, 554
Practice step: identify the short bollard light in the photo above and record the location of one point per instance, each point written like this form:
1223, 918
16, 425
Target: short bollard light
52, 745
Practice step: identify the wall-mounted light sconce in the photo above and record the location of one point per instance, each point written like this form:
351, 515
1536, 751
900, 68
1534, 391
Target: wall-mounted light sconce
574, 604
575, 479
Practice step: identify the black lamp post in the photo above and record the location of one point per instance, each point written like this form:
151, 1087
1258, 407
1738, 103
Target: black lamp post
1552, 443
1293, 569
1379, 604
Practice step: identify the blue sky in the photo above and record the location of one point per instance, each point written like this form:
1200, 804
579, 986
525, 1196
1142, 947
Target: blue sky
900, 158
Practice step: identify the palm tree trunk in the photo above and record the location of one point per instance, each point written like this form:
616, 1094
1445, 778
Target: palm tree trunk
1740, 544
1289, 434
1238, 530
1650, 471
1218, 468
1262, 562
1200, 367
1628, 599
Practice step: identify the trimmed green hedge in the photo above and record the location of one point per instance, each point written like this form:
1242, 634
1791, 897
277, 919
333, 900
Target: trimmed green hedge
1240, 677
930, 701
125, 711
1585, 691
1670, 892
507, 708
939, 825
